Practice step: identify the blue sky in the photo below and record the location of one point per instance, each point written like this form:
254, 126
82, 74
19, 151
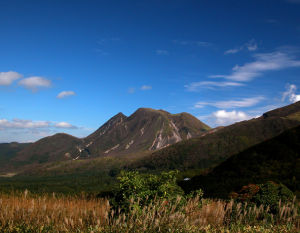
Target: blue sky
69, 66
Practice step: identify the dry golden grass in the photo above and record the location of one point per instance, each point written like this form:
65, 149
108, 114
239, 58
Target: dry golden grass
27, 213
65, 213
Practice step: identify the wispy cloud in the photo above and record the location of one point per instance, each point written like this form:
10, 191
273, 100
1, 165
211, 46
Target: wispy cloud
146, 87
7, 78
263, 62
242, 103
29, 131
192, 42
131, 90
22, 124
65, 94
102, 52
232, 51
103, 43
106, 40
161, 52
250, 46
34, 83
290, 93
195, 86
262, 109
29, 124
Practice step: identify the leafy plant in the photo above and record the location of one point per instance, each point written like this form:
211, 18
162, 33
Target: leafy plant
147, 187
270, 194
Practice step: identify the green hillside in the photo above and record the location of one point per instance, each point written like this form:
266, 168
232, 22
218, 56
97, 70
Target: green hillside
9, 151
277, 159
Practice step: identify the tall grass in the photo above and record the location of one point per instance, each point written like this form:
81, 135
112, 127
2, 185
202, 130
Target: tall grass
48, 213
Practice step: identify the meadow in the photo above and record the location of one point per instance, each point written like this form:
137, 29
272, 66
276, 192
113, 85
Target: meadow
26, 212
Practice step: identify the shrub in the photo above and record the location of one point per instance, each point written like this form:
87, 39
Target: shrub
270, 194
147, 187
267, 194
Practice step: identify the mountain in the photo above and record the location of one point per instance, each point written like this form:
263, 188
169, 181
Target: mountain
277, 159
63, 163
49, 149
9, 151
215, 146
145, 131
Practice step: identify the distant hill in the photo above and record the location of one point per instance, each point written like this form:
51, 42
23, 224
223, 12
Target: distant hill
144, 131
9, 150
215, 146
277, 159
49, 149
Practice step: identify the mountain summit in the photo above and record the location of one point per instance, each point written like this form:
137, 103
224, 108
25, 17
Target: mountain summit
146, 130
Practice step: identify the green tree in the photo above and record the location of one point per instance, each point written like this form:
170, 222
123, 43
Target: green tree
147, 187
270, 194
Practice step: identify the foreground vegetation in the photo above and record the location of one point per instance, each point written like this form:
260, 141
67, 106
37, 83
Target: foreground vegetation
152, 203
28, 213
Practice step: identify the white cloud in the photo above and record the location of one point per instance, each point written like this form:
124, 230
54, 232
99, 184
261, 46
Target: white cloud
295, 98
290, 93
29, 124
33, 83
162, 52
22, 124
146, 87
64, 125
222, 117
245, 102
7, 78
210, 84
64, 94
250, 46
263, 62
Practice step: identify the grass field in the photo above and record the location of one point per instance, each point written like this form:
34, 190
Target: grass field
25, 212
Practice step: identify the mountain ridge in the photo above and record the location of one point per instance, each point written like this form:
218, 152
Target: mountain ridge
142, 132
217, 145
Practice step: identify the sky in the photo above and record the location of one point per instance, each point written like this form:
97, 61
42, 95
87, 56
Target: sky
69, 66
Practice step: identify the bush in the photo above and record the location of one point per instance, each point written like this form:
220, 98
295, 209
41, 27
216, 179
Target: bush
270, 194
267, 194
146, 187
